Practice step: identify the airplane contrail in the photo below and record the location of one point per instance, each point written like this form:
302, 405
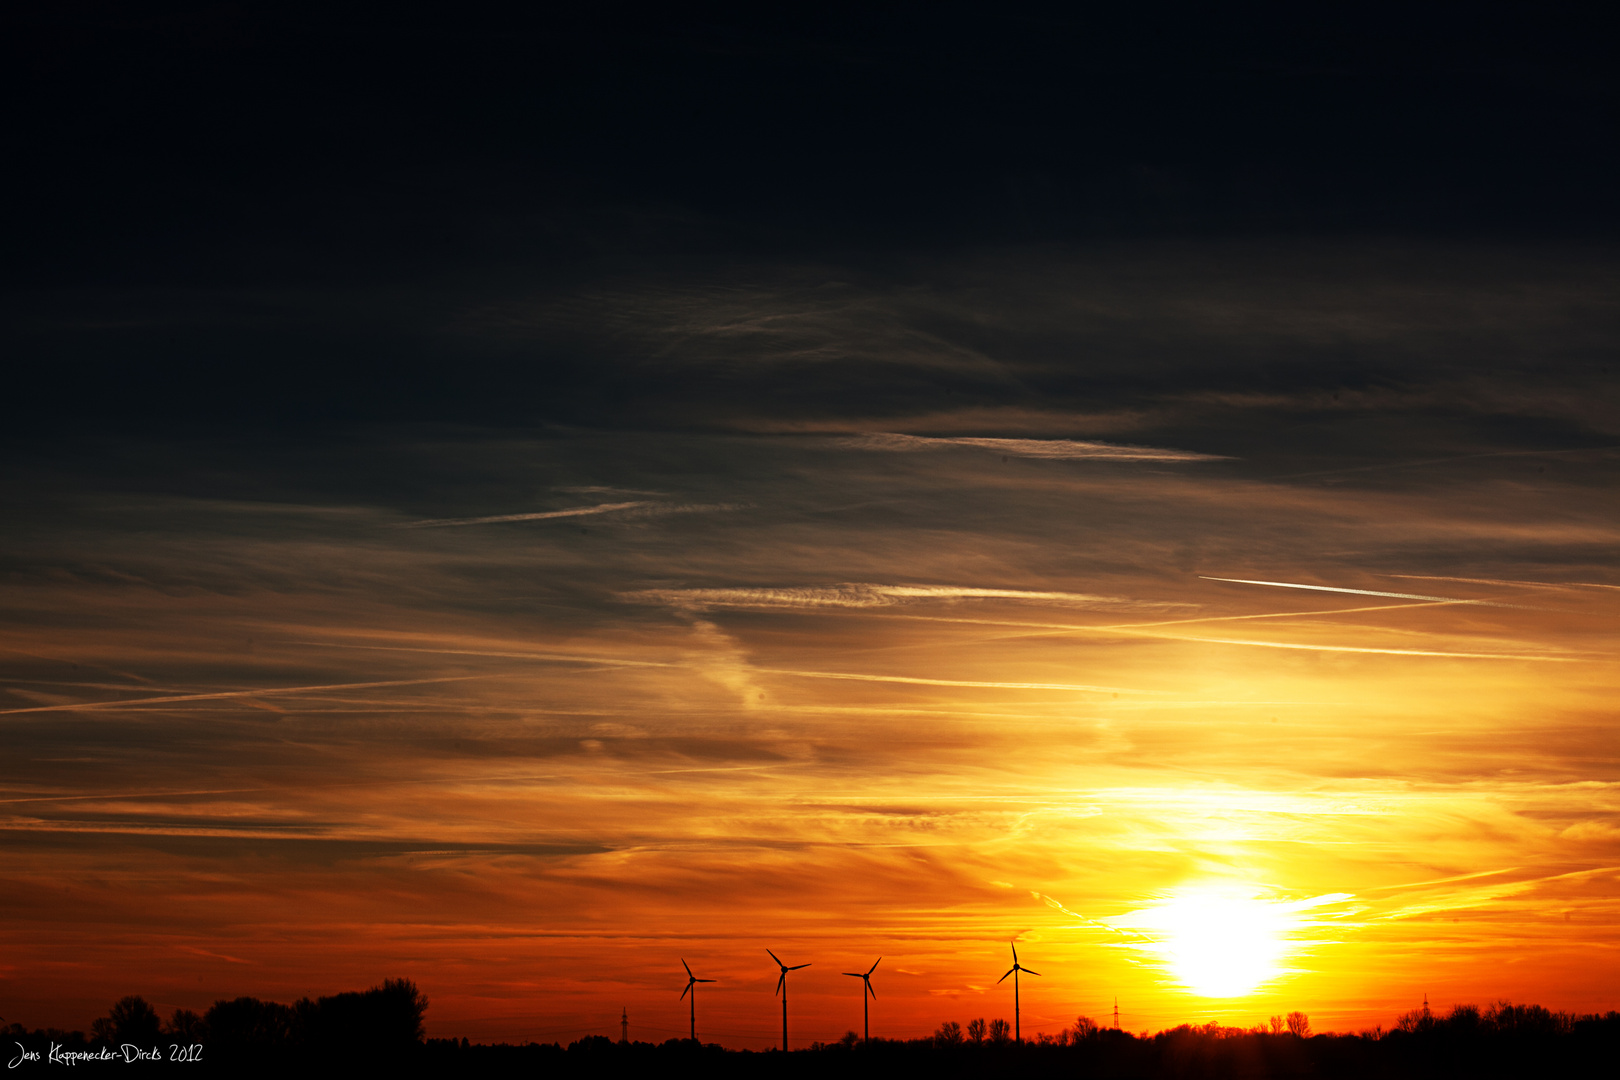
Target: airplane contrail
110, 796
1059, 629
1357, 592
1442, 881
1034, 448
1509, 581
1443, 461
216, 955
943, 682
1508, 888
568, 658
576, 511
559, 658
859, 595
1382, 652
1052, 902
172, 698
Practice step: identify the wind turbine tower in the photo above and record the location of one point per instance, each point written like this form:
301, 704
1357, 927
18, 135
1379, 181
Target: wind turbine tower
1018, 1035
691, 985
866, 982
781, 988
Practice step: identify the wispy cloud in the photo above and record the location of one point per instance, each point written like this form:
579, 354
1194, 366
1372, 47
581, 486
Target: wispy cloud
1067, 449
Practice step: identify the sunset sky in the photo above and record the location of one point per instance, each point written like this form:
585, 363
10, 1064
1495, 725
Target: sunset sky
518, 568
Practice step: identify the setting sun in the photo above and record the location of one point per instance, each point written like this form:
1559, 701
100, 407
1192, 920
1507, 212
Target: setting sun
1223, 943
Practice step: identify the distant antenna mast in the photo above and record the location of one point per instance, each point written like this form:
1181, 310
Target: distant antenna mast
624, 1024
1116, 1014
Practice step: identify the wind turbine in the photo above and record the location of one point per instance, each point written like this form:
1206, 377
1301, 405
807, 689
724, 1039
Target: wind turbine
781, 988
866, 979
1013, 971
691, 984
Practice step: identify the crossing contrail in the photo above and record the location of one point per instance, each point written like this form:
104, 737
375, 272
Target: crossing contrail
570, 658
575, 511
1382, 652
1070, 449
173, 698
1357, 592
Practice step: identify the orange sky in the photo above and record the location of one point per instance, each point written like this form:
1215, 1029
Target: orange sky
837, 699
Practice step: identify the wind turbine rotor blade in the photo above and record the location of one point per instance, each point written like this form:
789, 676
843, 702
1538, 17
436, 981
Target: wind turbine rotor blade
854, 974
778, 959
796, 967
869, 989
683, 992
1015, 953
1026, 971
1004, 977
780, 979
705, 980
874, 966
688, 969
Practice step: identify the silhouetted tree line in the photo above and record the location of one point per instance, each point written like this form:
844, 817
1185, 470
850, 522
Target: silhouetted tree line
1503, 1040
382, 1027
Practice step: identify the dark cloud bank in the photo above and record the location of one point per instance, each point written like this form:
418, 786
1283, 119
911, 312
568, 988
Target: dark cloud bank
291, 219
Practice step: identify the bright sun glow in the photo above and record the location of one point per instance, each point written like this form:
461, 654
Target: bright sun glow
1221, 943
